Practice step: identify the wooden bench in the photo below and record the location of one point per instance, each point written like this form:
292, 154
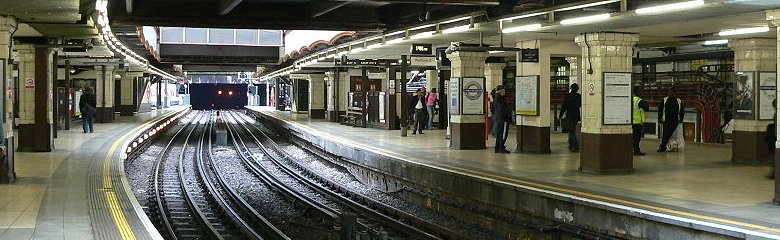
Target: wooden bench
354, 117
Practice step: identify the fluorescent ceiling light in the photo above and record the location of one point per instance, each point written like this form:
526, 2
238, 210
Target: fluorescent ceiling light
395, 33
522, 28
744, 31
494, 52
455, 20
372, 46
522, 16
394, 41
456, 29
586, 5
422, 35
356, 50
421, 27
670, 7
586, 19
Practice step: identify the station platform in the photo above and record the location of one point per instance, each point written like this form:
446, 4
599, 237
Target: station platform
698, 188
76, 191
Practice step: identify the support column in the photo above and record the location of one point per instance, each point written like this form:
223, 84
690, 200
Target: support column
467, 131
752, 55
575, 73
36, 111
604, 148
126, 95
494, 75
338, 86
774, 17
7, 172
317, 96
534, 131
104, 92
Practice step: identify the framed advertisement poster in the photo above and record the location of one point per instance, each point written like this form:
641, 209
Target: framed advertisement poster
454, 96
617, 105
767, 93
744, 95
473, 96
527, 95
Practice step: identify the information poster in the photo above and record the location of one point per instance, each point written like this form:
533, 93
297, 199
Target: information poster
454, 98
473, 98
382, 108
527, 95
617, 99
767, 82
744, 95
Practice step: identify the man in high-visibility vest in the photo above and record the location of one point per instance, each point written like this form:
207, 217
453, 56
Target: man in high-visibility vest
639, 109
671, 114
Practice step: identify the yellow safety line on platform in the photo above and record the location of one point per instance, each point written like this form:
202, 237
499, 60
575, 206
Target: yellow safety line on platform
511, 181
113, 203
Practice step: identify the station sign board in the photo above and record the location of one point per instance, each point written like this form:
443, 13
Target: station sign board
422, 61
529, 55
422, 49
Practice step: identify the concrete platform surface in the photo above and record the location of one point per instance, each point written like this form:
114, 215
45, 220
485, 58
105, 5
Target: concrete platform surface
699, 184
51, 198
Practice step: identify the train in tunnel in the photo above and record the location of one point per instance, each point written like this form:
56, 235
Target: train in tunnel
208, 96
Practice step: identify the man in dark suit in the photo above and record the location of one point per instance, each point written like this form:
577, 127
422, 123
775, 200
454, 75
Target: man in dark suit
671, 114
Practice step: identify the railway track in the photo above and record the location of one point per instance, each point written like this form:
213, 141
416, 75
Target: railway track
191, 202
372, 213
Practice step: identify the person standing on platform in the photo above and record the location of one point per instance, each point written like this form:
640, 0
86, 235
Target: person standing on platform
87, 105
770, 136
640, 107
430, 103
671, 114
418, 103
571, 108
501, 117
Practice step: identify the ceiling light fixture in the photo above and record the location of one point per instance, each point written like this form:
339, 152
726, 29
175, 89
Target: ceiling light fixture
586, 5
456, 29
744, 31
455, 20
495, 52
523, 16
670, 7
716, 42
394, 41
523, 28
422, 35
586, 19
421, 27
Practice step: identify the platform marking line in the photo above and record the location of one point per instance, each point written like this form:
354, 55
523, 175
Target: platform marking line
113, 203
574, 194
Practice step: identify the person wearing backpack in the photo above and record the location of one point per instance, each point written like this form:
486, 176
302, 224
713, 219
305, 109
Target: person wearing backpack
87, 105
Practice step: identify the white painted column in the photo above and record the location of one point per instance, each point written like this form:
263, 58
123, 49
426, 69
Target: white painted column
468, 131
604, 148
494, 75
26, 76
8, 26
752, 56
317, 96
534, 131
575, 72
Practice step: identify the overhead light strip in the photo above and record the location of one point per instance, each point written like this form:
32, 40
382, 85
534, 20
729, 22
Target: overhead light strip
716, 42
586, 19
670, 7
586, 5
744, 31
524, 28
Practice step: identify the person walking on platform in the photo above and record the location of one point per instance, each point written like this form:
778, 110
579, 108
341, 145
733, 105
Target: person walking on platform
671, 114
639, 109
571, 108
501, 117
430, 102
87, 105
418, 103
